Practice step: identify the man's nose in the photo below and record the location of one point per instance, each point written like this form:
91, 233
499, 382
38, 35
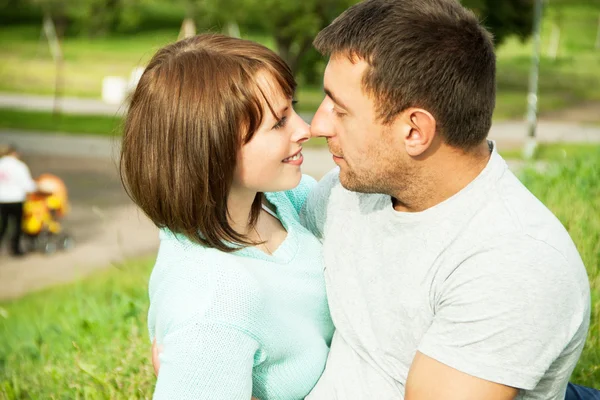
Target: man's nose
322, 123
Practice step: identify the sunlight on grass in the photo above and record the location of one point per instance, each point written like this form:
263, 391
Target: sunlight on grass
83, 340
63, 123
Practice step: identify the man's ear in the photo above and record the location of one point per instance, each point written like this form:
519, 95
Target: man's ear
419, 129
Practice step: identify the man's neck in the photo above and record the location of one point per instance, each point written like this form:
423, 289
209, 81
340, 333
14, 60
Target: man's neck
447, 173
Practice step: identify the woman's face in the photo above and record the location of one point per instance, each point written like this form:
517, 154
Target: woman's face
271, 160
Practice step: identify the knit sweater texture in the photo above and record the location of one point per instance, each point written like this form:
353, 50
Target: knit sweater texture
242, 324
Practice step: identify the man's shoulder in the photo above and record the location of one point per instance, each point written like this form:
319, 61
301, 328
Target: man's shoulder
512, 233
512, 211
330, 180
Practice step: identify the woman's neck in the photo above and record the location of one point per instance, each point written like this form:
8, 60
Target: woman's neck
239, 205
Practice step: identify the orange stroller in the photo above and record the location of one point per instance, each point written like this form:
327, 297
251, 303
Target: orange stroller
42, 214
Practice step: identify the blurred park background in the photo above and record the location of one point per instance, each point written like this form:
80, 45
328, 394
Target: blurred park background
66, 67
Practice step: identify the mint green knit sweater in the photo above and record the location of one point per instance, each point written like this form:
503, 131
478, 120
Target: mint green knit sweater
244, 324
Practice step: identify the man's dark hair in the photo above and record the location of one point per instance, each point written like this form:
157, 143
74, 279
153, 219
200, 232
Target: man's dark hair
431, 54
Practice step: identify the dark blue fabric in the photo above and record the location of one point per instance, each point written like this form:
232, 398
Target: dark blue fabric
576, 392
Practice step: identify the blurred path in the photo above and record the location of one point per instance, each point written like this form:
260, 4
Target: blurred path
106, 225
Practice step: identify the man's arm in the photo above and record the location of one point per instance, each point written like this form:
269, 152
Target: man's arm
429, 379
503, 316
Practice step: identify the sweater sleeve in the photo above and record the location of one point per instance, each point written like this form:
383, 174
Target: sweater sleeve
203, 314
206, 360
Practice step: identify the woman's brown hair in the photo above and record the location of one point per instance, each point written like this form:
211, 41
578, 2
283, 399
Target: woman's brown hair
196, 104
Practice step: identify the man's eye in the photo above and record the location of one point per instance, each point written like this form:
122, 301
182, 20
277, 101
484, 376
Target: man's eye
337, 113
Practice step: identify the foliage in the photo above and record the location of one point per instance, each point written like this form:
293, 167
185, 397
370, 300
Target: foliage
504, 18
292, 24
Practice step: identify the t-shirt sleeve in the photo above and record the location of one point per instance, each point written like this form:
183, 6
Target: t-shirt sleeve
299, 194
205, 319
314, 212
507, 316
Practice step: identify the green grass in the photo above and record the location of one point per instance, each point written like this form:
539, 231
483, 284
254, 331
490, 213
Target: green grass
571, 190
27, 65
88, 340
558, 152
64, 123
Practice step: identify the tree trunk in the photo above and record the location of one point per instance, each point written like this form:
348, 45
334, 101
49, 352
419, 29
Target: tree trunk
284, 49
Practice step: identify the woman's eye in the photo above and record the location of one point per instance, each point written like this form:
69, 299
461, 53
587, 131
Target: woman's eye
281, 123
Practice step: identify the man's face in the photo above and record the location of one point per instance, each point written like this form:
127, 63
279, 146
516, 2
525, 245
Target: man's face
363, 148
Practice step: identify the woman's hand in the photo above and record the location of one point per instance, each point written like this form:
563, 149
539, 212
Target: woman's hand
155, 360
156, 349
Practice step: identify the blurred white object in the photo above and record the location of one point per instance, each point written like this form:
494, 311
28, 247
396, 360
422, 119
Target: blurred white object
114, 89
530, 148
233, 29
554, 42
188, 29
134, 78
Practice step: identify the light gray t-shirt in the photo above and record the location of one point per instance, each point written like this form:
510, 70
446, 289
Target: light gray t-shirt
487, 282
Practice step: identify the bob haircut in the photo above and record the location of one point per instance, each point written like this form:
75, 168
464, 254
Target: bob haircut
196, 104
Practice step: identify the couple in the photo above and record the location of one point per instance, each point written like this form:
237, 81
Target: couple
443, 276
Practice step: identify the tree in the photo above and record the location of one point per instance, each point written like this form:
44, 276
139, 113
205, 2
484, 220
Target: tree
292, 24
504, 18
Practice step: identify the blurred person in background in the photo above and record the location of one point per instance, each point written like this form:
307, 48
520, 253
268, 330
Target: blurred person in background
15, 183
211, 153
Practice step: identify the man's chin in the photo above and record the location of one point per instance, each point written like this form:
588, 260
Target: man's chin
353, 183
349, 181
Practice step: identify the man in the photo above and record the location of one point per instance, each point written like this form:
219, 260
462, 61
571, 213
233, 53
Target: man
446, 278
15, 183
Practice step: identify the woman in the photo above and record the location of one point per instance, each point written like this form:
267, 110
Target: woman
211, 153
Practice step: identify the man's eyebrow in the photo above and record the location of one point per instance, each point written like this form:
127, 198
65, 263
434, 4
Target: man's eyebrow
336, 101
